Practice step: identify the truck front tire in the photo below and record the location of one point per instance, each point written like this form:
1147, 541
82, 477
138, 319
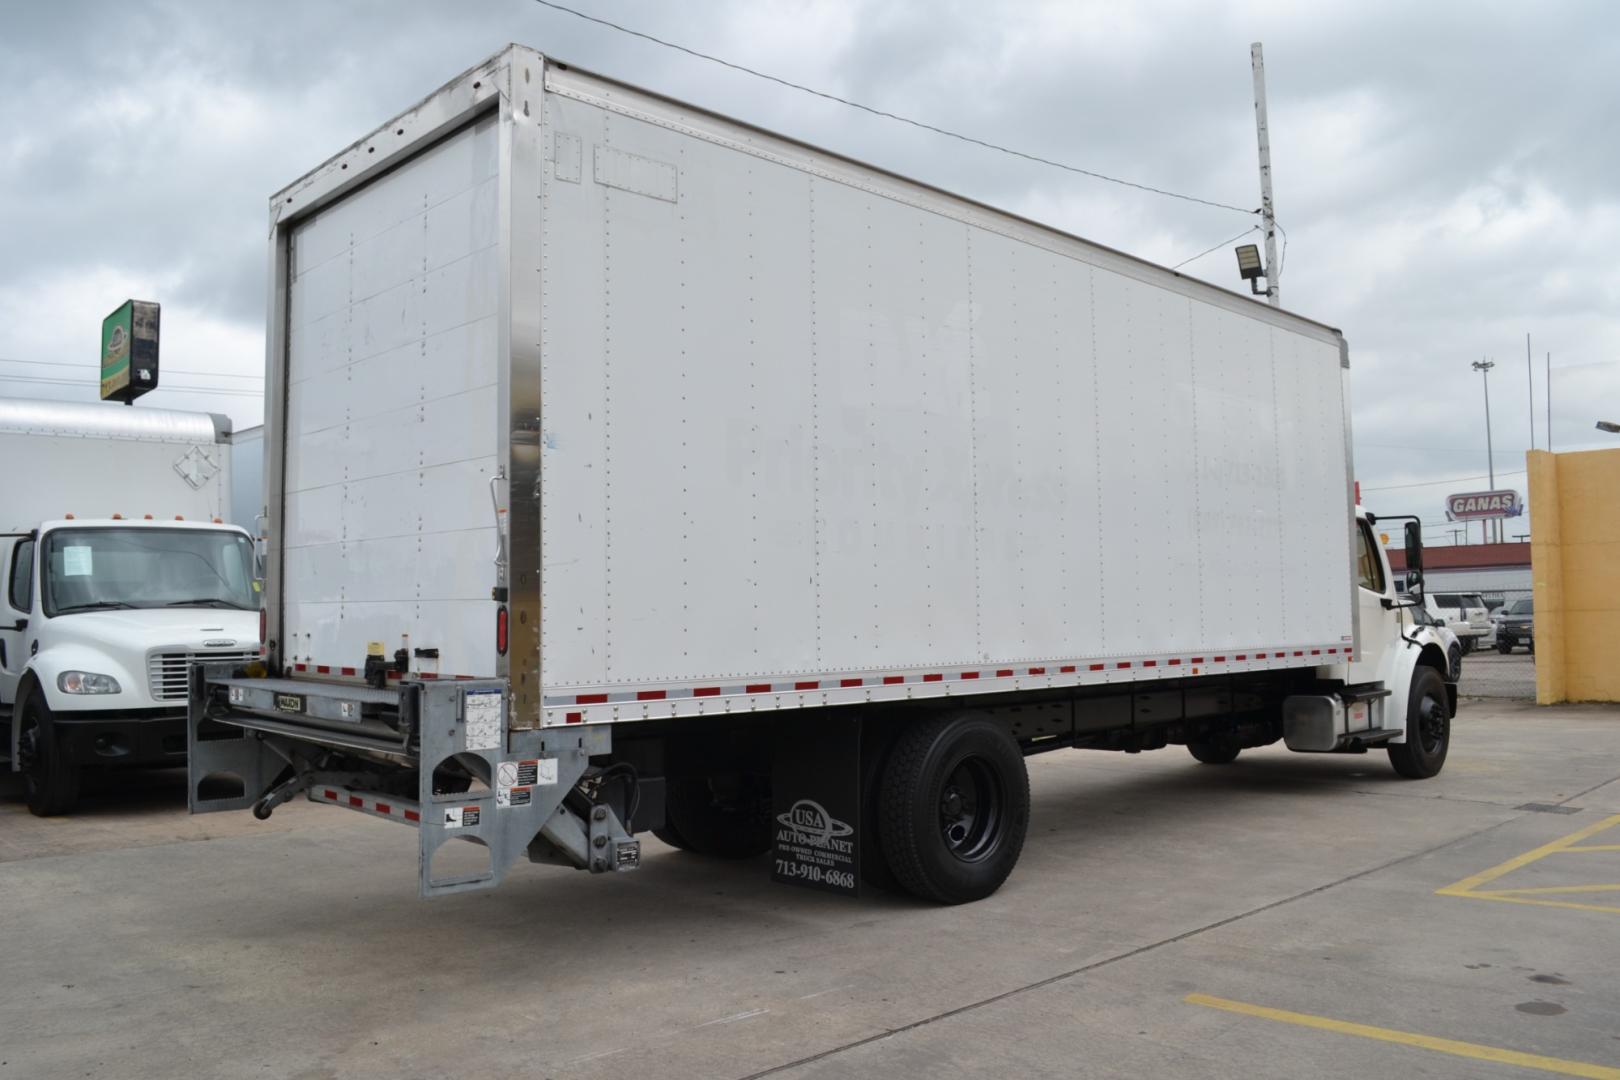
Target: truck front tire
1428, 728
954, 808
52, 781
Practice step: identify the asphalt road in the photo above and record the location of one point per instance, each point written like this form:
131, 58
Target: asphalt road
1285, 916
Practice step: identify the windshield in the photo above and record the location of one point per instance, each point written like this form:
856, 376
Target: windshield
1521, 607
106, 568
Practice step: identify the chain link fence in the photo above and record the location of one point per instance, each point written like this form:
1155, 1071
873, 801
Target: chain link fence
1502, 663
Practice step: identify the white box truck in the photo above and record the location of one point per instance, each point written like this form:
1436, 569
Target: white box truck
631, 468
115, 574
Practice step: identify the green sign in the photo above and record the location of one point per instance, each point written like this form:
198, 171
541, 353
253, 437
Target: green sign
129, 351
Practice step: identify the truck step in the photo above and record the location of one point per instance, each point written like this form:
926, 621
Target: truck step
1360, 740
1363, 692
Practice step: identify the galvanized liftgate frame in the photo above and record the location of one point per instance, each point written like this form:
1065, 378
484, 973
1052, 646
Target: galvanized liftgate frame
274, 735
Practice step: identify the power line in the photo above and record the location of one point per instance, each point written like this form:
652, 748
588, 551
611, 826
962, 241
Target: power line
889, 115
1437, 483
42, 381
1435, 449
89, 367
1216, 247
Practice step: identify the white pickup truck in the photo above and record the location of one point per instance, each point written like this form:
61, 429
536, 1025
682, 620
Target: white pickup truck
116, 574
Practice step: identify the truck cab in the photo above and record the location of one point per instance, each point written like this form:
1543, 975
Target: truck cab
1400, 689
100, 622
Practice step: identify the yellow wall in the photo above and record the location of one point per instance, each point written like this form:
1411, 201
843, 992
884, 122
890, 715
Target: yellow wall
1575, 560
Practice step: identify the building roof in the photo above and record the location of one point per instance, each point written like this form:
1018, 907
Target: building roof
1467, 557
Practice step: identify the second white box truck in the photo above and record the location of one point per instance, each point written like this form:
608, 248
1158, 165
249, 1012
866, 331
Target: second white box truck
632, 468
116, 573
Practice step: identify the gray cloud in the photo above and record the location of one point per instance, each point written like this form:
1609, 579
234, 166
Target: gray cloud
1446, 172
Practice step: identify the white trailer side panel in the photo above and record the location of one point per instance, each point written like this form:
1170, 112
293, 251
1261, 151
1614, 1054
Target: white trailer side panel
800, 418
393, 309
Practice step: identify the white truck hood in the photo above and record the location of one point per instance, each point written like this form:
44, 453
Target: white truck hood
145, 649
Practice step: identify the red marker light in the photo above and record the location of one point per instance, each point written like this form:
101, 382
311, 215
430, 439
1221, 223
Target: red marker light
500, 630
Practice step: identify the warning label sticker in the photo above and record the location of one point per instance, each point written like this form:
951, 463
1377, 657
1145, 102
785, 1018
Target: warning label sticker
460, 817
481, 720
515, 779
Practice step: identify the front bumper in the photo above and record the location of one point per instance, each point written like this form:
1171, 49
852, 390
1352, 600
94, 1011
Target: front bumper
112, 738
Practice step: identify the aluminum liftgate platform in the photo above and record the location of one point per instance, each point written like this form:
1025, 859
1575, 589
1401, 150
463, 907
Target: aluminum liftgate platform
275, 736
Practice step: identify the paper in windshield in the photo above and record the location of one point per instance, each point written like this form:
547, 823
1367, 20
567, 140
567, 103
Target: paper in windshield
76, 562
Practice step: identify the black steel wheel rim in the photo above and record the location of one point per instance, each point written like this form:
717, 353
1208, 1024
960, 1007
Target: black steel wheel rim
1431, 723
971, 807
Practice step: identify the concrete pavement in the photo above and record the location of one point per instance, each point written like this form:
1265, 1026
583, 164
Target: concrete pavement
141, 943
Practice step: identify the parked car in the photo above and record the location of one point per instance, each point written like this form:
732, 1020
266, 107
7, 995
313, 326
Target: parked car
1517, 627
1469, 617
1438, 616
1422, 615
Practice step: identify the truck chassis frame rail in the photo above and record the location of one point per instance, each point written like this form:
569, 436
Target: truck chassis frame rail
387, 753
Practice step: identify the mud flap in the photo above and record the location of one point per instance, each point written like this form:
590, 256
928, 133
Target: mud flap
816, 804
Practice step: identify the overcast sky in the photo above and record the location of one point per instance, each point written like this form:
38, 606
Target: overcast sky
1448, 175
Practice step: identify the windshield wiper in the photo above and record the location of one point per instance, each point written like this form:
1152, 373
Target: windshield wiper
204, 601
94, 605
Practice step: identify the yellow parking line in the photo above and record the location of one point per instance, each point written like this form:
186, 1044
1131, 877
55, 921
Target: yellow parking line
1466, 886
1555, 889
1570, 904
1476, 1051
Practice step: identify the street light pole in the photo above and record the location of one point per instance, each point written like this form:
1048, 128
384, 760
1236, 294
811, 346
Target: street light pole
1268, 215
1484, 369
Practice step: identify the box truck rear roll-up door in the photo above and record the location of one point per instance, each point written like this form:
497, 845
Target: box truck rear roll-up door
392, 383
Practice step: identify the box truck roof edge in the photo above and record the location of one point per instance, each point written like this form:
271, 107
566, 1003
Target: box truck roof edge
477, 89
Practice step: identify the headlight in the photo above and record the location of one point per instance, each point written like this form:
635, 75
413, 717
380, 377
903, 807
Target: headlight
87, 682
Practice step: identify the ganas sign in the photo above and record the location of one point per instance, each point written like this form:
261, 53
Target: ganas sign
1483, 504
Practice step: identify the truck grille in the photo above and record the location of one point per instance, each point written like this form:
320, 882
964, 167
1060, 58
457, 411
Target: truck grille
167, 671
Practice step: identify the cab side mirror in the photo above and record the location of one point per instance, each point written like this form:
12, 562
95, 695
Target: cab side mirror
1414, 558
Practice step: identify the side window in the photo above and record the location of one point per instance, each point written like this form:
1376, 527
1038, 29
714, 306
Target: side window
1369, 570
22, 576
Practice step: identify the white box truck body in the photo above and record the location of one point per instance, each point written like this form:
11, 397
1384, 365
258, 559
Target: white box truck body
682, 436
115, 575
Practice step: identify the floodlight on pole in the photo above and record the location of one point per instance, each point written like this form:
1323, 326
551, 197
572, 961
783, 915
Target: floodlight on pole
1250, 268
1610, 426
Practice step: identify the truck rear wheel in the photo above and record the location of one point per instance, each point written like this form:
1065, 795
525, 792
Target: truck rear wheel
732, 821
52, 781
1428, 728
954, 808
669, 834
1213, 751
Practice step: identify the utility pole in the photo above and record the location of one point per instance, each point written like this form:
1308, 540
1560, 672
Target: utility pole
1530, 378
1484, 369
1549, 403
1268, 215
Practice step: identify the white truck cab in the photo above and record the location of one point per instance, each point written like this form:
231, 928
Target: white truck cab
1399, 690
101, 617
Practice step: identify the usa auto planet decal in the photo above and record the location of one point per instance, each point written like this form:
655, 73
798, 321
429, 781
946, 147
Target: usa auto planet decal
815, 847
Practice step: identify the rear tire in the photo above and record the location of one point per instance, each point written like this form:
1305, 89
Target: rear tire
954, 808
669, 834
52, 781
711, 820
1212, 752
1428, 728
